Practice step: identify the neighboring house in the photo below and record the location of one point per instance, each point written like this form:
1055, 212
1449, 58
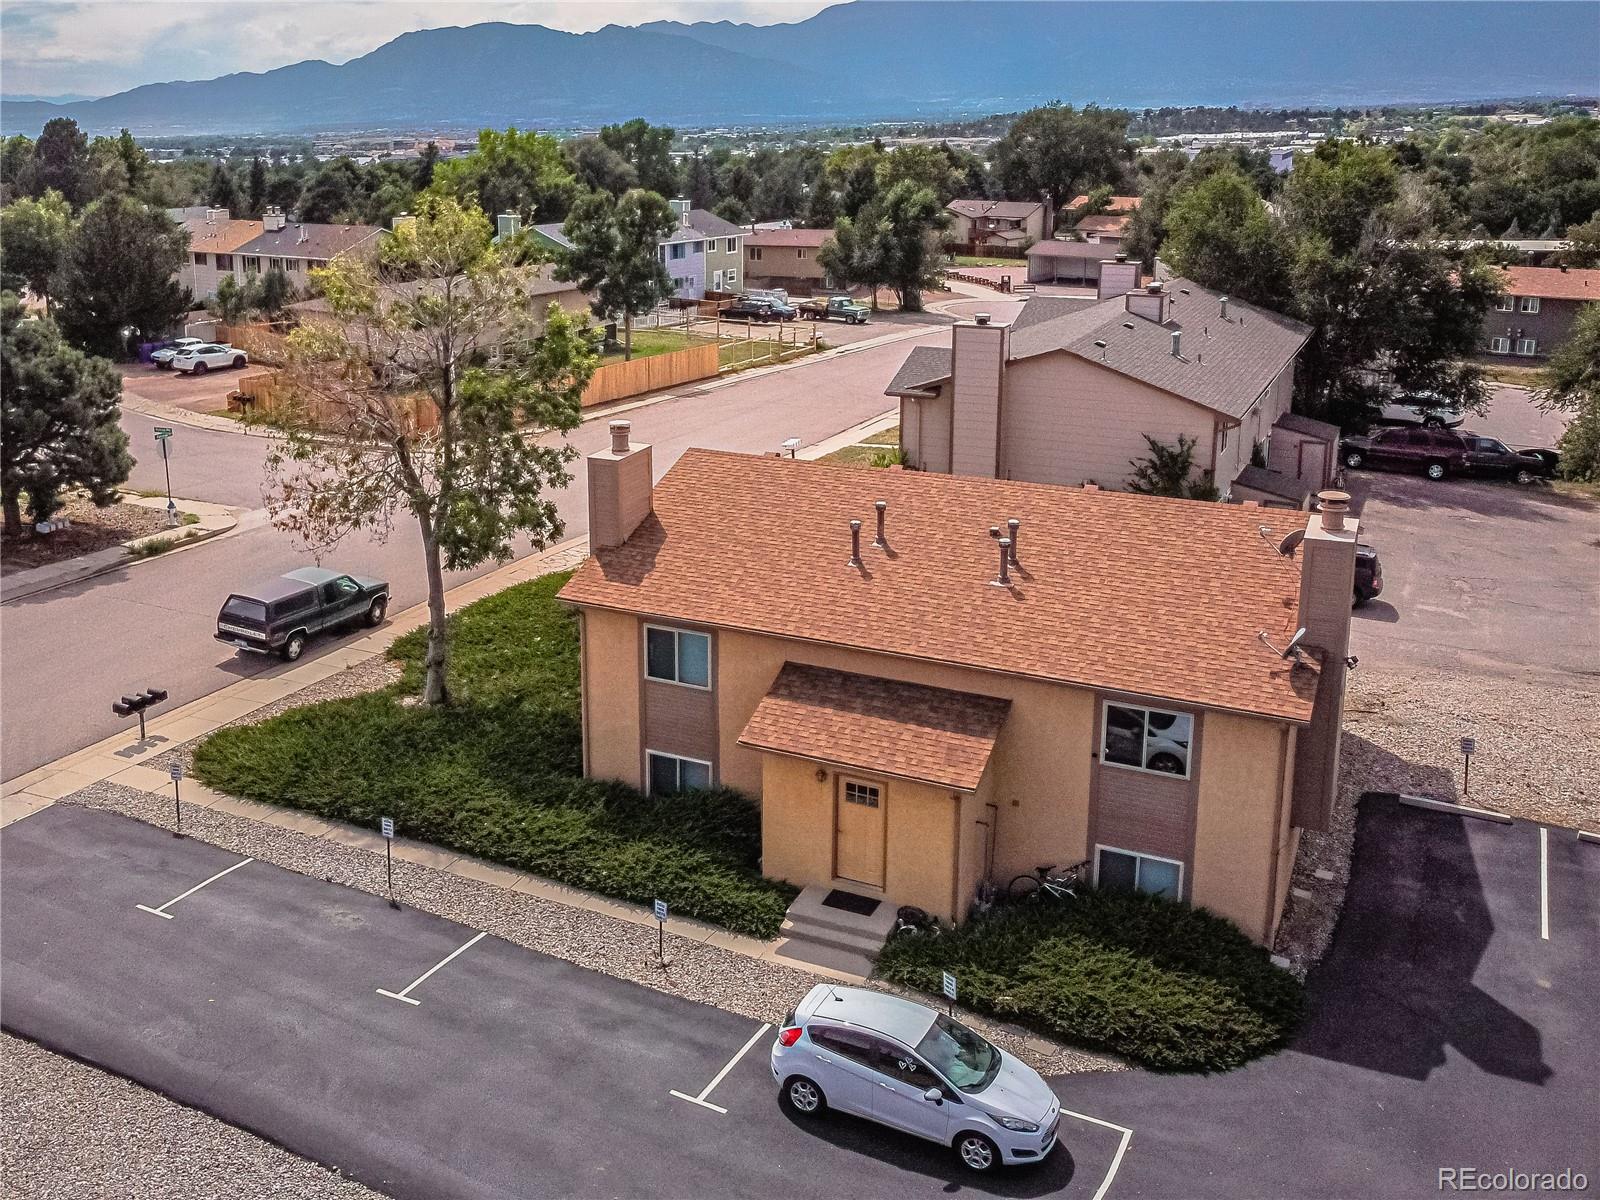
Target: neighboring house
219, 246
982, 225
539, 282
1066, 393
1536, 309
1071, 261
702, 254
915, 718
1112, 221
786, 258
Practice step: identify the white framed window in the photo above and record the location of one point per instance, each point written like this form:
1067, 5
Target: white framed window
1222, 438
1147, 739
669, 774
1530, 304
1126, 870
1505, 304
678, 656
801, 255
1527, 346
867, 795
252, 265
1499, 345
733, 278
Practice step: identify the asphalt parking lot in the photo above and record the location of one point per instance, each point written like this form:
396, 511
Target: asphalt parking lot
1451, 1025
193, 393
418, 1056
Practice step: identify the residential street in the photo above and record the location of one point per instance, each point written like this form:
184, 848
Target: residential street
69, 653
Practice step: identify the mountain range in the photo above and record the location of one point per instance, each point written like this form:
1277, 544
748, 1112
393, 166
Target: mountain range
891, 59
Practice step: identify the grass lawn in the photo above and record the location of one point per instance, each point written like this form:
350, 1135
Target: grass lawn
757, 352
968, 260
886, 437
647, 343
1169, 986
498, 773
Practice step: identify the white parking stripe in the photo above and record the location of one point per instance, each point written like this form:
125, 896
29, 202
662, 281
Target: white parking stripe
404, 993
1116, 1159
1544, 883
721, 1075
166, 916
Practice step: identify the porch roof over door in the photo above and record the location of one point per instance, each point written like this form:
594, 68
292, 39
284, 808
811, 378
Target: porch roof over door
882, 726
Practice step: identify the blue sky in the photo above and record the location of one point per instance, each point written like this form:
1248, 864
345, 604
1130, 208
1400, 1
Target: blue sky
50, 47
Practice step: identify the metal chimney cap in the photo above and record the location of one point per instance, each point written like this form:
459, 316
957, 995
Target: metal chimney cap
981, 318
619, 436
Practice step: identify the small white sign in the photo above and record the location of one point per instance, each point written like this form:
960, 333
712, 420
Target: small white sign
387, 824
661, 910
176, 771
1469, 745
949, 986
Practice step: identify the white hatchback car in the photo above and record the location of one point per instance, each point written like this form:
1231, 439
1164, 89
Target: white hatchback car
197, 360
164, 356
905, 1065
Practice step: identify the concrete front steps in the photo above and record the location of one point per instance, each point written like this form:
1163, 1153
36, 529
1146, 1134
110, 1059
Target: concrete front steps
833, 938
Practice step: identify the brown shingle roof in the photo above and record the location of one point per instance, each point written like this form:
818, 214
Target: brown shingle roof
1102, 223
1156, 597
929, 734
320, 242
1551, 283
780, 238
219, 237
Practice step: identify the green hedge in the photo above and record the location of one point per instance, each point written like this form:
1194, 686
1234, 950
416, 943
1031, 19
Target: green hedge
498, 773
1166, 985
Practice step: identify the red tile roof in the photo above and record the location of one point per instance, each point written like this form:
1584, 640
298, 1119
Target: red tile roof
1160, 598
933, 735
1552, 283
778, 238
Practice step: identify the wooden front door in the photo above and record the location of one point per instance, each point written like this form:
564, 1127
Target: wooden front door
859, 833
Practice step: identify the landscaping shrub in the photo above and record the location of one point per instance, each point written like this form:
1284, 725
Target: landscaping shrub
1166, 985
498, 773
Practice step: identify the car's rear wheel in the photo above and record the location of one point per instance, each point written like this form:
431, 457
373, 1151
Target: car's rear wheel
238, 363
1353, 459
375, 613
977, 1152
1525, 477
200, 368
1436, 471
1168, 763
804, 1096
294, 647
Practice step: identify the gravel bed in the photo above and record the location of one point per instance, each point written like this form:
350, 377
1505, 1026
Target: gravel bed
695, 970
72, 1132
1538, 759
92, 529
368, 676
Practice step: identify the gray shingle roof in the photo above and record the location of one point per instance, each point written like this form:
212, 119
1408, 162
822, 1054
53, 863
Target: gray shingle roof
1007, 210
309, 241
923, 367
702, 225
1307, 425
1273, 483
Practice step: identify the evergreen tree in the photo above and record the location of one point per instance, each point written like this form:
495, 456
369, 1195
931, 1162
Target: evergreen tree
121, 274
221, 191
256, 198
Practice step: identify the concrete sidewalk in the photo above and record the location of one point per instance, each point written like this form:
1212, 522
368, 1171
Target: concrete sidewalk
215, 520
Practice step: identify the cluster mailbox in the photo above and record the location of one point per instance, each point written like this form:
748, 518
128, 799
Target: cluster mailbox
135, 705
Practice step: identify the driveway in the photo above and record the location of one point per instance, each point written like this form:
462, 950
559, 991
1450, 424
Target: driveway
1451, 1025
206, 393
416, 1055
1479, 576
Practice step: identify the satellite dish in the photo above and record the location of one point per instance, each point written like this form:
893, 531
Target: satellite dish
1292, 650
1290, 543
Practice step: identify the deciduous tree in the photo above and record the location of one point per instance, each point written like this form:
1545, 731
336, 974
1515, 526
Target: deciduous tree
511, 171
60, 419
34, 239
614, 256
414, 329
1058, 151
1169, 471
648, 149
1570, 383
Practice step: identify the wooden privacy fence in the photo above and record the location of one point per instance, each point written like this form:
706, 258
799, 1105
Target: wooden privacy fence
618, 381
263, 343
264, 398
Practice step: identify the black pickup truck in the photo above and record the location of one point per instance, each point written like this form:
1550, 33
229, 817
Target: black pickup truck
280, 615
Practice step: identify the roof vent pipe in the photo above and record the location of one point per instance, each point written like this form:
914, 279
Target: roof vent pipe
1013, 525
1224, 308
981, 318
619, 436
1005, 564
1177, 343
1334, 507
855, 544
881, 542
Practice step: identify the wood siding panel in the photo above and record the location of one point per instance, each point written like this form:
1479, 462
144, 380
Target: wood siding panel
1144, 812
680, 720
979, 362
1070, 422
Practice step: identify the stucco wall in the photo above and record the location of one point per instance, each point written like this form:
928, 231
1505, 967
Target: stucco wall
1238, 820
796, 821
611, 680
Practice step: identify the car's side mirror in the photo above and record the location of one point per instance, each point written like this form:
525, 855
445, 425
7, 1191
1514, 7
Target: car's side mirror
933, 1096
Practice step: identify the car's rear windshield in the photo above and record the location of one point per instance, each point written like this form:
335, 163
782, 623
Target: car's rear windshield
241, 609
960, 1055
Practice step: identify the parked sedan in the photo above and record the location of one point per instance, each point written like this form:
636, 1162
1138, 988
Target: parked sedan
904, 1065
164, 356
1424, 408
208, 356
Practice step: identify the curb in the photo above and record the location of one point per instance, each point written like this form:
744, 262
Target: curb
1461, 810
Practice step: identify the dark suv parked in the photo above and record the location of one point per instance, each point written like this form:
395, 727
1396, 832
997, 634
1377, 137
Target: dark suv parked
282, 613
1441, 452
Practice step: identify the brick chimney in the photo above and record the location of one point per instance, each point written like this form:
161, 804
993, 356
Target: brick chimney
620, 480
1327, 584
1118, 277
978, 363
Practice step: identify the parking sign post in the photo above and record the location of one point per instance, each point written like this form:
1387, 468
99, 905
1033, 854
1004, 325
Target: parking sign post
163, 436
1469, 747
176, 772
661, 932
386, 824
950, 991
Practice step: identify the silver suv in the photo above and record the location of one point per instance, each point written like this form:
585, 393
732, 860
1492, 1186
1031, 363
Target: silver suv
905, 1065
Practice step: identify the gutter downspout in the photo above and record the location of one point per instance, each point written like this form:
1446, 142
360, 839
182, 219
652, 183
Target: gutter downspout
1269, 926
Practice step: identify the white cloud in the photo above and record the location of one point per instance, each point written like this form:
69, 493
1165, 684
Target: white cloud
58, 46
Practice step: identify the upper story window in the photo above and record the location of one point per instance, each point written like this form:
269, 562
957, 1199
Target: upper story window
755, 253
733, 245
1147, 739
224, 262
199, 260
677, 656
1504, 304
699, 248
677, 250
1529, 304
800, 254
252, 263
